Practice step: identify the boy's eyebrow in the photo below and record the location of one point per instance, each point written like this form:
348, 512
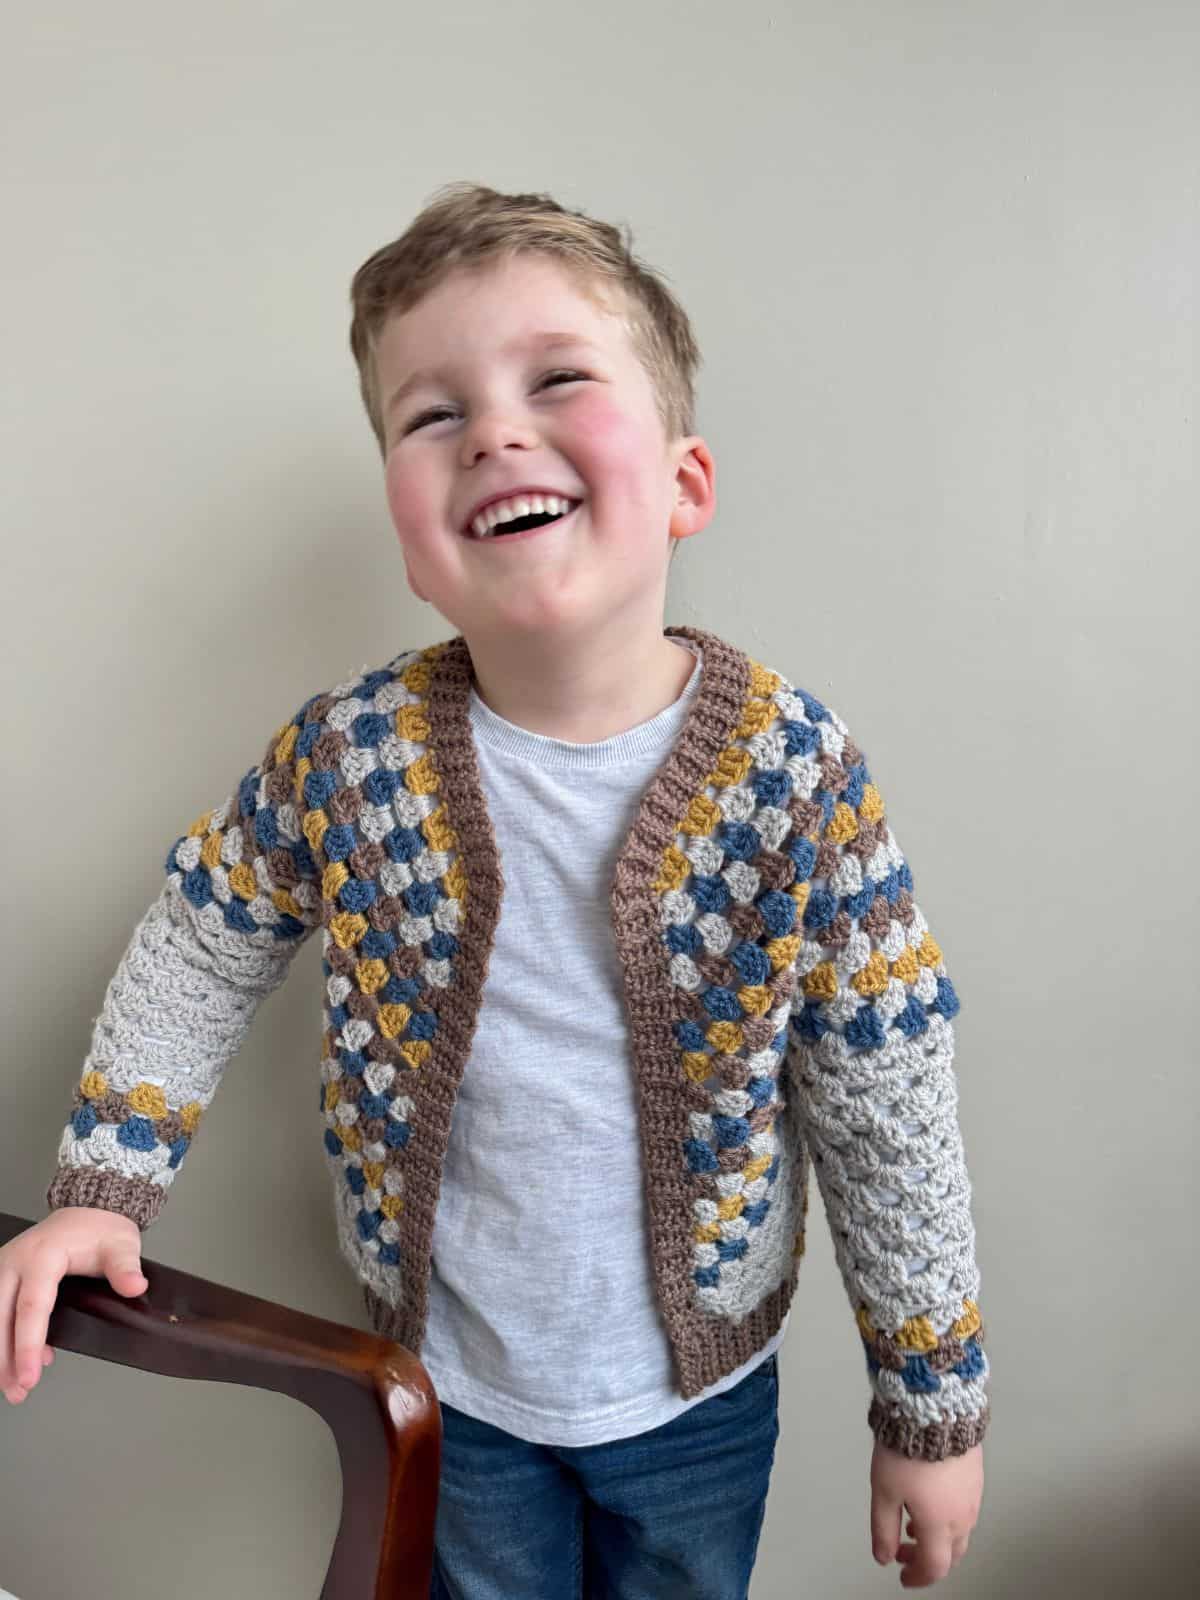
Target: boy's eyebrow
548, 339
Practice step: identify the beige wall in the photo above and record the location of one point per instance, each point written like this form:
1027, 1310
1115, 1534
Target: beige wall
942, 263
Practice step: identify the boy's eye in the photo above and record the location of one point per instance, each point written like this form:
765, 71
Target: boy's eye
437, 411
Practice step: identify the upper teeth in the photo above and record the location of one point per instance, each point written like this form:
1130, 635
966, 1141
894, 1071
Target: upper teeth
522, 506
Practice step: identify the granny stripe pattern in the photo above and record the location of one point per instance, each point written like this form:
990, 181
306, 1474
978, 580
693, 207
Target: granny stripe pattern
787, 1005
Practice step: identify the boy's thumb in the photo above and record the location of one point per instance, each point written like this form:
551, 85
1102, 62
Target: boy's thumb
127, 1277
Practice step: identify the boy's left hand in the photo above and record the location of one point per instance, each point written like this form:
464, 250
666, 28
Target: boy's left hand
943, 1500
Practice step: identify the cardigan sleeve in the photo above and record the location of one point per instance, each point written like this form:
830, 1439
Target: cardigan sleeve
242, 893
870, 1057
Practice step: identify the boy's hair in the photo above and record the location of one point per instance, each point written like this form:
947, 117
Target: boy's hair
467, 225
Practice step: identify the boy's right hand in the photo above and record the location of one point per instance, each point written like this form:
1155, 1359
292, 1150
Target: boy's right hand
83, 1241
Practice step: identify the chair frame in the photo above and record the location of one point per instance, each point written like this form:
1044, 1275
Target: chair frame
376, 1397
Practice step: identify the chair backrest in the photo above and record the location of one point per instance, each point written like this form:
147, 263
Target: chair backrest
376, 1397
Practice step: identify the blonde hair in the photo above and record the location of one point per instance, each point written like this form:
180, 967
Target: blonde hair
467, 225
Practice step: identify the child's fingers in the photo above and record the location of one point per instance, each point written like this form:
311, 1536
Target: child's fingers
35, 1301
17, 1392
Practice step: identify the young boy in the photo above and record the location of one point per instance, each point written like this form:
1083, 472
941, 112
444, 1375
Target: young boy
617, 940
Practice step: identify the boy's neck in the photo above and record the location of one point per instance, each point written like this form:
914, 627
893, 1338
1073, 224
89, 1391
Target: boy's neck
591, 695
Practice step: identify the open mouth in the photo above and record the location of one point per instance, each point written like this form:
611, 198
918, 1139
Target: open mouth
524, 527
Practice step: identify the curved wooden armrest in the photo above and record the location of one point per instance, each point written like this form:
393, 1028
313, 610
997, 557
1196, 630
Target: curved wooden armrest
375, 1395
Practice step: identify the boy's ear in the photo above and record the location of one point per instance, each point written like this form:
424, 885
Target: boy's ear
695, 489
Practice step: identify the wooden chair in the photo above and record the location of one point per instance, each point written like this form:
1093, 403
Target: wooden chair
375, 1395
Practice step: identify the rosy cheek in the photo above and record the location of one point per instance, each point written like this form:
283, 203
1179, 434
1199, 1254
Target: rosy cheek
396, 489
609, 433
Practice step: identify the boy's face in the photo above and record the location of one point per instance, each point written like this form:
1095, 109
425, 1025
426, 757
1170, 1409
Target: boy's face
497, 411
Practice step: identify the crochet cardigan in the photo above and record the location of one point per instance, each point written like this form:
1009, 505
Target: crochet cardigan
787, 1005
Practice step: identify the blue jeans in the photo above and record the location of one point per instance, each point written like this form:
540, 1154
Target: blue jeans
671, 1514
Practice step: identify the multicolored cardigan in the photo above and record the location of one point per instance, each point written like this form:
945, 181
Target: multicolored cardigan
786, 1003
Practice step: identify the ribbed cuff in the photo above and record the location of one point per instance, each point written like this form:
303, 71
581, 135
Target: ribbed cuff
934, 1442
134, 1198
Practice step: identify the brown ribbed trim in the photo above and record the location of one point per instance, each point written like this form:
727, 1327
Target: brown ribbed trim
135, 1198
932, 1443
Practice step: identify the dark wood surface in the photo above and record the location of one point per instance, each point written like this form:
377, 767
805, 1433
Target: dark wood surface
374, 1394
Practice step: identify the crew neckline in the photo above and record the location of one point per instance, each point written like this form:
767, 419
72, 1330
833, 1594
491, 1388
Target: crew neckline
545, 751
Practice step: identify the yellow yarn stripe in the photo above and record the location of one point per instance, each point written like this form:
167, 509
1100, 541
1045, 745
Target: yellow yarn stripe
917, 1335
147, 1099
